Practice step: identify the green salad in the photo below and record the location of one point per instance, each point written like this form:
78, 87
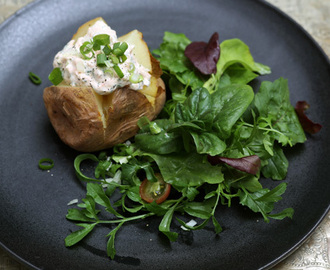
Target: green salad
210, 145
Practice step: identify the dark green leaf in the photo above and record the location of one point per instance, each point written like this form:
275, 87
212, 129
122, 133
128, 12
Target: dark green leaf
277, 165
187, 169
208, 143
77, 236
273, 100
165, 225
217, 227
228, 105
288, 212
111, 251
90, 206
98, 194
77, 215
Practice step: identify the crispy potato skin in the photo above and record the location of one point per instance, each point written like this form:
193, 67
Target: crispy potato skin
75, 115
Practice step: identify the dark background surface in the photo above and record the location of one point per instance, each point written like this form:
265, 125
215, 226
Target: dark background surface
34, 203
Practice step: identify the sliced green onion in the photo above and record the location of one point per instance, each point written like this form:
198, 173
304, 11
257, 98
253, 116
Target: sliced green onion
114, 59
110, 71
55, 76
118, 71
107, 49
132, 68
120, 48
101, 39
123, 46
34, 78
100, 59
87, 48
117, 52
122, 58
108, 63
46, 163
154, 128
135, 78
116, 45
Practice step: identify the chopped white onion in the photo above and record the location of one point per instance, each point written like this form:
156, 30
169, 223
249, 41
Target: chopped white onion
191, 223
74, 201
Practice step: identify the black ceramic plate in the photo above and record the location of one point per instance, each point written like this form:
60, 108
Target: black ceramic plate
34, 202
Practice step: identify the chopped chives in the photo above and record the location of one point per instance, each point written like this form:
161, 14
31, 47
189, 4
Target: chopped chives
34, 78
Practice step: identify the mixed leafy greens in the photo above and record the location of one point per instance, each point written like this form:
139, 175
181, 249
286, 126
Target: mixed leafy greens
213, 140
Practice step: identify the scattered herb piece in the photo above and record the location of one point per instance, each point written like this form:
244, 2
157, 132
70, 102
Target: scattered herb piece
35, 78
46, 163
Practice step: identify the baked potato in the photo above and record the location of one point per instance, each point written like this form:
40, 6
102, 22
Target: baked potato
88, 121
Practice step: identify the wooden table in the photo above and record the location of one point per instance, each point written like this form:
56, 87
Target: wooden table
314, 16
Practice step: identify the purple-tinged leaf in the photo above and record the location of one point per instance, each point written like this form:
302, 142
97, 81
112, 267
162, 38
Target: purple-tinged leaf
308, 125
249, 164
204, 56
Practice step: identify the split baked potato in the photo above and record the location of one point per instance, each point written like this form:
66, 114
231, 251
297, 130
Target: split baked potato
87, 121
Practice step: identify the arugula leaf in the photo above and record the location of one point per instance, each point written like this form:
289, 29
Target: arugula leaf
165, 225
77, 215
98, 194
111, 251
77, 236
90, 206
263, 200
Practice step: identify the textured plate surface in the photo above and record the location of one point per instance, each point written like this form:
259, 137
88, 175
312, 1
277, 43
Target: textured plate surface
34, 203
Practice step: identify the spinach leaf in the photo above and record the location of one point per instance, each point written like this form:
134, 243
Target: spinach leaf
228, 105
208, 143
187, 169
198, 106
